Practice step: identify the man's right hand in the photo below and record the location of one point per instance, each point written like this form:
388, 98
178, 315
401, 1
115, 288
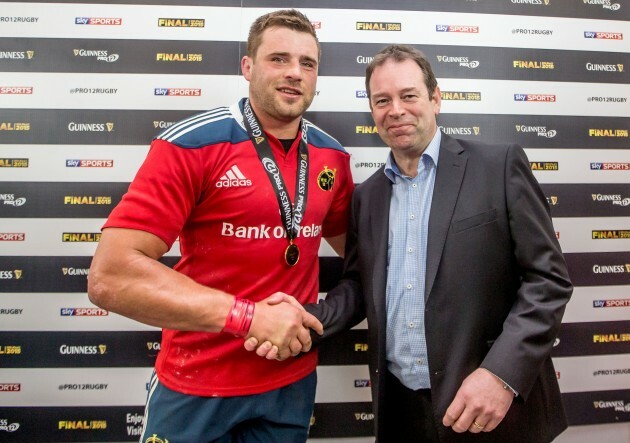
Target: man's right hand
281, 328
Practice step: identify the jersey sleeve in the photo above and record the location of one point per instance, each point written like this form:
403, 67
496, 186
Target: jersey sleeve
163, 193
336, 221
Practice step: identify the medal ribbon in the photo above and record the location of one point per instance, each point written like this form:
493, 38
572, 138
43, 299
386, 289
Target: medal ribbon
292, 215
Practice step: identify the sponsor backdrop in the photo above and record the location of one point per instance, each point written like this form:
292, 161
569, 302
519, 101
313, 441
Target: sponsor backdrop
85, 86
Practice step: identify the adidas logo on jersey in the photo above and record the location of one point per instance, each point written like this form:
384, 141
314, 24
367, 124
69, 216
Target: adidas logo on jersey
233, 178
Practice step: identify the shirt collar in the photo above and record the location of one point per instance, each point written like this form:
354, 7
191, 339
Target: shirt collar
432, 151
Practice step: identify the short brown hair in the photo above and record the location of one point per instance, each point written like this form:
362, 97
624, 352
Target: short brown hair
284, 18
401, 53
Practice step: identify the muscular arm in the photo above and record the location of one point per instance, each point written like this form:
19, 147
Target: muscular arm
126, 278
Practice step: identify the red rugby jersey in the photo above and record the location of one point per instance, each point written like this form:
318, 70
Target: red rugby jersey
202, 181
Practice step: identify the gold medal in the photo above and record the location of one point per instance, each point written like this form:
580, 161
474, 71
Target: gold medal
292, 254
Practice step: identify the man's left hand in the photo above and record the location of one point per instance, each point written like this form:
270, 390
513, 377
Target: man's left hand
479, 405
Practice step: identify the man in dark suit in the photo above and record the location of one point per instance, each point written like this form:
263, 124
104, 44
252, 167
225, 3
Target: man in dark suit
452, 257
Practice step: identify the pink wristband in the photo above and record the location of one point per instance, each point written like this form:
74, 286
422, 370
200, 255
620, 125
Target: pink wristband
239, 319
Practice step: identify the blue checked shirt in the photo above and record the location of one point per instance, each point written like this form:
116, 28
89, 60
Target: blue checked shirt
406, 267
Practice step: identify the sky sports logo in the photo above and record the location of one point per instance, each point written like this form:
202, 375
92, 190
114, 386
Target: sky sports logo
98, 21
178, 92
604, 35
83, 312
79, 163
457, 28
610, 166
542, 98
12, 236
621, 303
16, 90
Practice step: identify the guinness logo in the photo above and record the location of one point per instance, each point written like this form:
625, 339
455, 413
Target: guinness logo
326, 179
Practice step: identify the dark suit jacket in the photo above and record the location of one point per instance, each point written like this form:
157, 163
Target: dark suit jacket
496, 286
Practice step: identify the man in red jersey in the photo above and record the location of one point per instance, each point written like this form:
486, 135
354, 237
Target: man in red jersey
249, 190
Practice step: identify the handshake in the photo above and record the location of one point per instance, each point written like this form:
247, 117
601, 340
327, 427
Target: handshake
281, 328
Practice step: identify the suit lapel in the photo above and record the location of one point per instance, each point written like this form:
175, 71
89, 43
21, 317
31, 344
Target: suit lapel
381, 193
448, 180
